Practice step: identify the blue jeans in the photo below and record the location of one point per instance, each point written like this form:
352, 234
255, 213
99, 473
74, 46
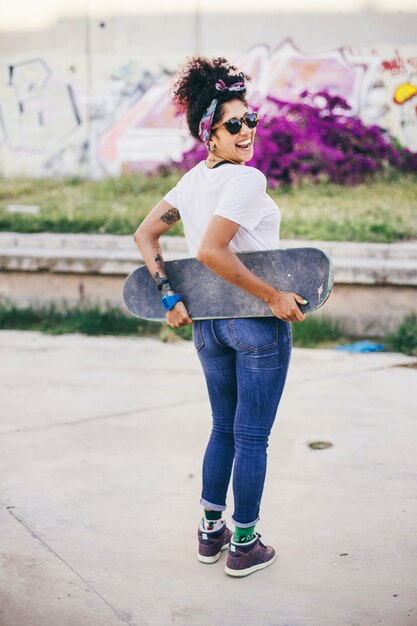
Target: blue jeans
245, 362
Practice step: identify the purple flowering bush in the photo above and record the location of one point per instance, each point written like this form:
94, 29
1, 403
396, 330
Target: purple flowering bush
317, 139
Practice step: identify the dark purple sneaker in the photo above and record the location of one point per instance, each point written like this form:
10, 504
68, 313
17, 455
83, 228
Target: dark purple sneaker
210, 544
244, 559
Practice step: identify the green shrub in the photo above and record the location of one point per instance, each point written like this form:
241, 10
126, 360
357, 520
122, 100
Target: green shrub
315, 331
94, 320
85, 319
404, 339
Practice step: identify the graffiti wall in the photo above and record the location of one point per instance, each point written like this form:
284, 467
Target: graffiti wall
116, 116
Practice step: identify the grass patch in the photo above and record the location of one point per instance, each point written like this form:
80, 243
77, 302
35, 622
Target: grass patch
384, 210
88, 320
316, 332
93, 320
404, 339
85, 319
112, 205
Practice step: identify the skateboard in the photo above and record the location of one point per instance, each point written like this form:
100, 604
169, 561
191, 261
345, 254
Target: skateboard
305, 271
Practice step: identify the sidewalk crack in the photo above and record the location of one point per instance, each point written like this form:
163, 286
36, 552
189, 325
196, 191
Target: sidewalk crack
102, 417
117, 613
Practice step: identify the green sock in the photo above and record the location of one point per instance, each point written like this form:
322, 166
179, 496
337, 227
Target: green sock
243, 535
212, 519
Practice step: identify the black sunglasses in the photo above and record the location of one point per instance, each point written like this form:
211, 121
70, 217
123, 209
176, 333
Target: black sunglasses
234, 125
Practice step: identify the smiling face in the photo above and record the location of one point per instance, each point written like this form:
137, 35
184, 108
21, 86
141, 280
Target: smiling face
235, 148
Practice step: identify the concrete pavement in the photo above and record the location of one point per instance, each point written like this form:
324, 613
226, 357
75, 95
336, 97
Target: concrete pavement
101, 447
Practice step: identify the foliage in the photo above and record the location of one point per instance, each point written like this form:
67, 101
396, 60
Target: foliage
86, 319
318, 139
326, 211
404, 339
90, 319
315, 331
110, 205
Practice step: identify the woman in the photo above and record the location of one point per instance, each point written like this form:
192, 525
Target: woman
225, 209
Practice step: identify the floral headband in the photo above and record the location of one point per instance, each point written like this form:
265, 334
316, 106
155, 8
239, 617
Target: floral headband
206, 122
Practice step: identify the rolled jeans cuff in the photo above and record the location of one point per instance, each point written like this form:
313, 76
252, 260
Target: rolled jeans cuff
212, 507
248, 525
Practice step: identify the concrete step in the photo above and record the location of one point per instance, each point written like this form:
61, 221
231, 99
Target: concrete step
398, 250
354, 263
91, 242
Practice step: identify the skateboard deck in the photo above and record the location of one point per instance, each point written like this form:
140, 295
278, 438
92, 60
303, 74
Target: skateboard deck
305, 271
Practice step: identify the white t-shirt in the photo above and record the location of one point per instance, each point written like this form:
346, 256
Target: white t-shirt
237, 192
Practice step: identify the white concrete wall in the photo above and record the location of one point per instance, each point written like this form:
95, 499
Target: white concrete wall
89, 95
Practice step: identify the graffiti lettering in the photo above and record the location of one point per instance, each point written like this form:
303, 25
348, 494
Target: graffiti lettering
395, 66
130, 122
36, 112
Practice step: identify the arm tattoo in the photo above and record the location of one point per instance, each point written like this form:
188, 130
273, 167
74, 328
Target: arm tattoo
171, 216
160, 276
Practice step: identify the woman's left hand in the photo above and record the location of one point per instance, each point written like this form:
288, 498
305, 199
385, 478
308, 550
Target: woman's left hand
178, 316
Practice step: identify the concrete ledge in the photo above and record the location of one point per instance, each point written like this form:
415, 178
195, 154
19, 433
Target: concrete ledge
399, 250
355, 263
79, 241
375, 284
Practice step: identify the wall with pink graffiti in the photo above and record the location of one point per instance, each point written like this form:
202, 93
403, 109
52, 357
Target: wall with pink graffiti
103, 114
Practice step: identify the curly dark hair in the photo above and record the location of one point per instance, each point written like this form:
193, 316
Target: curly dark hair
194, 88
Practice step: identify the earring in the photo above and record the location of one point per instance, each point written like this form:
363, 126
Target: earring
211, 146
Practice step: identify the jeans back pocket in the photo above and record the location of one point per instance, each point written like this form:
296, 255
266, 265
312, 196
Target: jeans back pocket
254, 333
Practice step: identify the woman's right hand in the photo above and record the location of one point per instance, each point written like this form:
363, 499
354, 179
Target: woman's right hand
178, 316
284, 305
